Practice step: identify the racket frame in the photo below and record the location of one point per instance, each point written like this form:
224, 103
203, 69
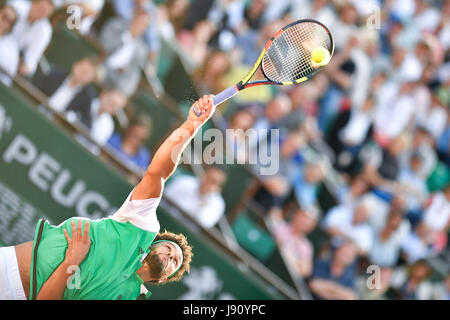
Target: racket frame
244, 83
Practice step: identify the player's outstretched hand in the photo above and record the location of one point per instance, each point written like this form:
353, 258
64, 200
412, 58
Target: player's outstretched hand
77, 247
204, 105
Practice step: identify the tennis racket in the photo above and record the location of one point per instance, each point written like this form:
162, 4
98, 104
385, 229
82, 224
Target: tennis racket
287, 58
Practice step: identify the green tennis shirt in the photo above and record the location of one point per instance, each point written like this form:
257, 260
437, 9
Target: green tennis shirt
118, 245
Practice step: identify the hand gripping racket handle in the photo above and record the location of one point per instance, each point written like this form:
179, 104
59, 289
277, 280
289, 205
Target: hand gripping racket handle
222, 97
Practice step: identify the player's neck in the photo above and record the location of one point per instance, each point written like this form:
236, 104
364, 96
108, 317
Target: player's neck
144, 273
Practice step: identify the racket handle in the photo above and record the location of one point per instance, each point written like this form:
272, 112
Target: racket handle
225, 95
222, 97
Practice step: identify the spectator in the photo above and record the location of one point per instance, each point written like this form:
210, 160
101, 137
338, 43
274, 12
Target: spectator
173, 12
198, 10
391, 118
126, 9
130, 147
253, 14
435, 118
291, 160
320, 10
437, 211
96, 113
209, 77
61, 88
344, 223
415, 188
349, 193
238, 136
422, 144
445, 291
200, 198
443, 146
271, 116
127, 51
196, 41
350, 133
251, 43
306, 183
346, 25
340, 71
9, 50
334, 274
271, 192
416, 245
382, 165
303, 99
426, 18
33, 32
411, 284
443, 29
292, 238
389, 233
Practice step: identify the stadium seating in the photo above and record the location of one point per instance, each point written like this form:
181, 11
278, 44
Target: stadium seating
73, 45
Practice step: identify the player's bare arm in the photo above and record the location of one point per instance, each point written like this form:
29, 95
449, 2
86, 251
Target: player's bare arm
168, 155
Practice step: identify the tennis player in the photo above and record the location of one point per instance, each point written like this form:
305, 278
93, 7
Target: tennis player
109, 258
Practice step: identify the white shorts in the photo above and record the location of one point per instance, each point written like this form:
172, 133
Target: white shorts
10, 282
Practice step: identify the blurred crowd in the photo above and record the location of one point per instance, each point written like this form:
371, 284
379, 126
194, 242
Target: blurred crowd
372, 126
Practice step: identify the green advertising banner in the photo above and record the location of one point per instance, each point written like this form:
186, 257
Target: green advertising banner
44, 173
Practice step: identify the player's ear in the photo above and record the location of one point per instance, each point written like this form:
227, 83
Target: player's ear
162, 280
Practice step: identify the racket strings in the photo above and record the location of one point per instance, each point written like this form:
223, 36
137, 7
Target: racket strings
287, 63
289, 56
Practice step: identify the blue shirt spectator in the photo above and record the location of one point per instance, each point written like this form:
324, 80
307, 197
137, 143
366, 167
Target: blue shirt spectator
306, 184
130, 147
334, 275
322, 269
141, 158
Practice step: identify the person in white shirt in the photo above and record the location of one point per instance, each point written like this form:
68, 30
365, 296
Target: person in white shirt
390, 232
345, 223
9, 50
300, 9
356, 129
102, 111
127, 52
8, 18
437, 213
33, 32
344, 27
417, 243
62, 87
414, 188
349, 193
392, 117
426, 17
96, 113
200, 198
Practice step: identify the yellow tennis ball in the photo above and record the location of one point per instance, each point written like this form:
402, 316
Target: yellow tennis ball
321, 56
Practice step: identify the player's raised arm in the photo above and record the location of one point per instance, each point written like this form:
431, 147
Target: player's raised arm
168, 155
